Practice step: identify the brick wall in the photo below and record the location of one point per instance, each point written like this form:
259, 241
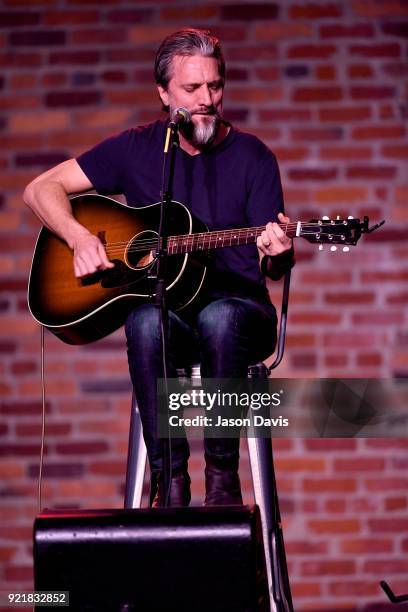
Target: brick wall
324, 85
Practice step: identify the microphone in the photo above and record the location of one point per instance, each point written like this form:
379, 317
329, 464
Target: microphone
179, 117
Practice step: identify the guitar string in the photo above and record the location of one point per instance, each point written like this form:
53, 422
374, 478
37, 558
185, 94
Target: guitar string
213, 235
226, 231
151, 244
206, 236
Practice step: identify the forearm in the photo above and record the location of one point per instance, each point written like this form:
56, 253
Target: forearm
49, 201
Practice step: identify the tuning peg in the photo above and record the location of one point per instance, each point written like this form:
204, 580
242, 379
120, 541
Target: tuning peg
320, 247
325, 218
350, 217
338, 218
333, 248
346, 249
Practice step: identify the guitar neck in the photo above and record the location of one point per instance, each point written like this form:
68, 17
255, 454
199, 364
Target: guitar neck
188, 243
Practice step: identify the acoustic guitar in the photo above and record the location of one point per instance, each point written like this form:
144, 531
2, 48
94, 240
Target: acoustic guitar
81, 310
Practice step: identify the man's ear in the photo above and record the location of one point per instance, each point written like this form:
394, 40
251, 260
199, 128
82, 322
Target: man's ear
164, 96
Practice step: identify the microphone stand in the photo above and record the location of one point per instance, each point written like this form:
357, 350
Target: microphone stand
170, 147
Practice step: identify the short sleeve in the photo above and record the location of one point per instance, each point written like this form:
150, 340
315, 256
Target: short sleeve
265, 198
104, 164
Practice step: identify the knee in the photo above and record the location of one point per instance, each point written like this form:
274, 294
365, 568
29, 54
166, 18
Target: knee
220, 320
142, 324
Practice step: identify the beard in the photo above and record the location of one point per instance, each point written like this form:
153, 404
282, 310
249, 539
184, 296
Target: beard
202, 133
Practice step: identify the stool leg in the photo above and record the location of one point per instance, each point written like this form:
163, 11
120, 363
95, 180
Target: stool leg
266, 497
136, 460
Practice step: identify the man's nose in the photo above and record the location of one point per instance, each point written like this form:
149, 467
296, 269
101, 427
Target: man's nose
205, 96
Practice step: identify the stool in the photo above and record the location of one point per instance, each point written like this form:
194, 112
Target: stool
262, 470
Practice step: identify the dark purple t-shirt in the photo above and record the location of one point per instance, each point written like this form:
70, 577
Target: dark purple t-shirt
235, 184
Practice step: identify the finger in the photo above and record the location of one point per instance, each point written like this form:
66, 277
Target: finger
105, 263
283, 218
79, 268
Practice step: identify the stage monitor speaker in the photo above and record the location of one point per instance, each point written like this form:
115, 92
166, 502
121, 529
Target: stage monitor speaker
182, 559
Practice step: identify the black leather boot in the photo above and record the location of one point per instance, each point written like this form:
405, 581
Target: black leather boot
180, 494
222, 484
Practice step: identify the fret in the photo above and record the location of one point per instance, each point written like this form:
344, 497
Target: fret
188, 243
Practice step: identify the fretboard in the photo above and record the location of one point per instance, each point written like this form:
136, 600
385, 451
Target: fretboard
188, 243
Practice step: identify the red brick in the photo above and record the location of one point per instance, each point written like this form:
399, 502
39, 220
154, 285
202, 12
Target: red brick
303, 360
357, 30
345, 113
272, 31
386, 566
335, 526
396, 503
371, 172
313, 10
384, 276
323, 485
38, 38
13, 19
335, 361
386, 484
349, 297
248, 12
18, 573
305, 547
134, 15
384, 50
326, 72
397, 69
317, 94
327, 568
290, 153
373, 92
108, 468
89, 447
336, 505
379, 131
398, 298
374, 8
312, 51
398, 28
360, 71
52, 429
253, 52
345, 152
332, 444
363, 546
104, 36
284, 114
312, 174
315, 318
358, 588
320, 277
75, 57
369, 359
388, 525
52, 17
359, 464
395, 151
305, 589
20, 59
72, 98
189, 12
350, 340
316, 134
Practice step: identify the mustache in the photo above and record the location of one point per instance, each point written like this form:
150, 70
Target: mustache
211, 110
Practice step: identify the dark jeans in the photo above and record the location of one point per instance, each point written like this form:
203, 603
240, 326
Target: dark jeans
226, 336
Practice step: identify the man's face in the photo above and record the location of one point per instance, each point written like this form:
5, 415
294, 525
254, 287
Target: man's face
196, 85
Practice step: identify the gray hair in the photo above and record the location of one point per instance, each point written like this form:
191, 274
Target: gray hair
186, 42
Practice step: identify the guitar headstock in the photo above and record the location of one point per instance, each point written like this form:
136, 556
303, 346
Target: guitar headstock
336, 232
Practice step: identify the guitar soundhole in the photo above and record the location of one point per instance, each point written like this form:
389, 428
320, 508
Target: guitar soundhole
141, 249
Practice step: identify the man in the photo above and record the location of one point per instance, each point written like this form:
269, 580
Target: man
227, 179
